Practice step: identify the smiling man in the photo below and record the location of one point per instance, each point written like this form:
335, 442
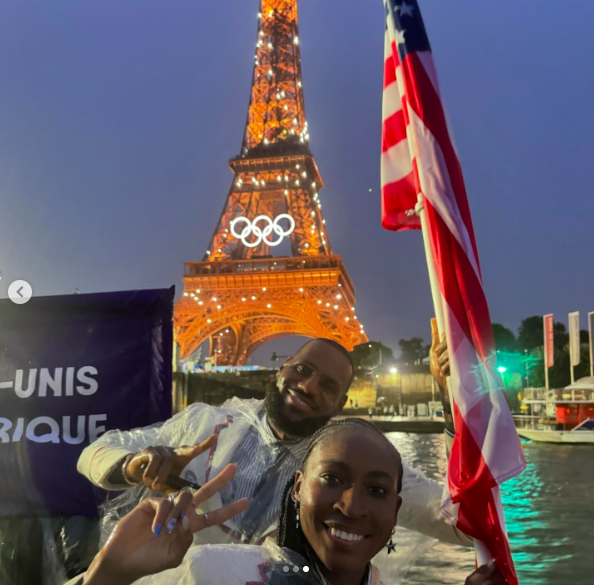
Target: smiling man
311, 388
266, 439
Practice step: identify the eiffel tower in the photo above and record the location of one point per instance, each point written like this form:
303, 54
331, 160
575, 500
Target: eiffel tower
243, 294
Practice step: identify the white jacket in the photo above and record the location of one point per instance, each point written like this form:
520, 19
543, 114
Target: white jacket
242, 565
421, 497
238, 565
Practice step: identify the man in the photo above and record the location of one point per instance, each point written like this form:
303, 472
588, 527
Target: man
266, 439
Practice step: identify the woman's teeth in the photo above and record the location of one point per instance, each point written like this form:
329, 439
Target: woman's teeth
345, 535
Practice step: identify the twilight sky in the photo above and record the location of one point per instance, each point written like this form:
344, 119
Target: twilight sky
118, 117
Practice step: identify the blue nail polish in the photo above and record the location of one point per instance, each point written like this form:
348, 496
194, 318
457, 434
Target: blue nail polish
158, 530
182, 515
171, 526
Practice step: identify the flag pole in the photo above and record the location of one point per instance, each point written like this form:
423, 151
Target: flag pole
483, 555
591, 334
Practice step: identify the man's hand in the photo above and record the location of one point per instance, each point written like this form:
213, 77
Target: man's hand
156, 535
486, 575
161, 462
438, 355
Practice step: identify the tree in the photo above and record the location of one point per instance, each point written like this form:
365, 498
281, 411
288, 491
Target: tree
412, 350
561, 335
531, 334
505, 340
371, 354
559, 374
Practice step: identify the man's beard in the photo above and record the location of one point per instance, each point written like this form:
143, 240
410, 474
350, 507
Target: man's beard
275, 410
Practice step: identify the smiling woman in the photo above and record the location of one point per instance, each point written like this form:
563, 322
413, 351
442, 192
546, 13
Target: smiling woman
346, 498
337, 513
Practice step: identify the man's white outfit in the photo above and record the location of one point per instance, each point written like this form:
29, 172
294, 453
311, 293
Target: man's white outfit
421, 497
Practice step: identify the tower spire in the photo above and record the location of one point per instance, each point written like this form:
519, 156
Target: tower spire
276, 114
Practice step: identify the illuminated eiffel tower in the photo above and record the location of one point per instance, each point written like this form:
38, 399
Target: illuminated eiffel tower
242, 295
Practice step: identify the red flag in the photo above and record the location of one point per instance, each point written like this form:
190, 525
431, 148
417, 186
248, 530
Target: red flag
418, 157
549, 341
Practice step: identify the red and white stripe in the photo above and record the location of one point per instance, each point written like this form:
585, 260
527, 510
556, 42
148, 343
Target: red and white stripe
399, 194
418, 157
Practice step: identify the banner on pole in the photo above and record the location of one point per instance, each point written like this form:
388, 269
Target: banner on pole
71, 368
549, 341
591, 330
574, 338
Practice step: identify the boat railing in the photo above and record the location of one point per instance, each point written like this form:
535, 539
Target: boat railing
537, 422
558, 395
585, 425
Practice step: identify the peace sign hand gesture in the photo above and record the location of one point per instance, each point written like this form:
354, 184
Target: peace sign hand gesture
156, 535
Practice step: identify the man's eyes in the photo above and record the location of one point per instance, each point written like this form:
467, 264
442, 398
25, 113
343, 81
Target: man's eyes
326, 386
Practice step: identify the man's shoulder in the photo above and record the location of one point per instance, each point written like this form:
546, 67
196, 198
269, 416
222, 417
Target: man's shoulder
198, 420
234, 406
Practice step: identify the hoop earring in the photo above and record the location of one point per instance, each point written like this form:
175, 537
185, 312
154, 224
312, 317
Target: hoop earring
391, 545
297, 514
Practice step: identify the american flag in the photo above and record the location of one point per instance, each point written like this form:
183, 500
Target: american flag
418, 157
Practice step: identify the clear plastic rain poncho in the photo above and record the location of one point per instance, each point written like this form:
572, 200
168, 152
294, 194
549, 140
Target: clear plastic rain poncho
247, 565
244, 438
238, 565
248, 427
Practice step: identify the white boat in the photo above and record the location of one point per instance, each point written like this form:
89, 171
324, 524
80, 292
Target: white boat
582, 434
559, 416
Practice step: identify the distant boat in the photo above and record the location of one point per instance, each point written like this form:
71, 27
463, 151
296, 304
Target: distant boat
559, 416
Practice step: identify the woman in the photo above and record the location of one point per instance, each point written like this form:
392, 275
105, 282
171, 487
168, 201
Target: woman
337, 513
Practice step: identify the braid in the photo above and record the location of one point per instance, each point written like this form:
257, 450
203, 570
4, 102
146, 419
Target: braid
291, 537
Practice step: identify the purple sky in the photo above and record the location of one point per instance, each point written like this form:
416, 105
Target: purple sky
117, 119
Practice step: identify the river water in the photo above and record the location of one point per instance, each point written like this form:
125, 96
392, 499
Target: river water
549, 511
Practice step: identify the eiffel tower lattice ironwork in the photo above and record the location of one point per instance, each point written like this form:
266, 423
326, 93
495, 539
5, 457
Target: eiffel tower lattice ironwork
242, 295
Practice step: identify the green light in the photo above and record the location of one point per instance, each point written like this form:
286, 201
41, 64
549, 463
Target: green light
502, 369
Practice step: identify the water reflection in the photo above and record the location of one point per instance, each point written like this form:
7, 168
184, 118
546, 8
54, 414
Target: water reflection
549, 512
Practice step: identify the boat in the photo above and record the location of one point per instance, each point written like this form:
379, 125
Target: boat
564, 415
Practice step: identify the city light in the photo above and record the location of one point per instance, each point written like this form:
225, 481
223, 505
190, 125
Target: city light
393, 370
276, 54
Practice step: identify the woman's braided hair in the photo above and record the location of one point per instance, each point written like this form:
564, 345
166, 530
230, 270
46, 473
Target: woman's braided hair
291, 537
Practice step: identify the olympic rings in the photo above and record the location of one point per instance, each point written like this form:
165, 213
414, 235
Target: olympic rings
261, 235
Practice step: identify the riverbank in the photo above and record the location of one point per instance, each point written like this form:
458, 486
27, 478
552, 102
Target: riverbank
402, 424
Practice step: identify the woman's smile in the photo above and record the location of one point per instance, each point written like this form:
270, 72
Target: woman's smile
344, 537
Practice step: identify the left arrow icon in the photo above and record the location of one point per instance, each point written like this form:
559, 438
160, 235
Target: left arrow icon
20, 292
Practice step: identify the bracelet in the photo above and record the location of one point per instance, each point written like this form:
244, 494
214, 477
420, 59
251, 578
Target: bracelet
124, 466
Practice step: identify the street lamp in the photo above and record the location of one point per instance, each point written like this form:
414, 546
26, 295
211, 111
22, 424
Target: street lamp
394, 371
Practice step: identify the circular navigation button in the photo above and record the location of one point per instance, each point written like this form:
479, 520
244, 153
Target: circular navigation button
20, 292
